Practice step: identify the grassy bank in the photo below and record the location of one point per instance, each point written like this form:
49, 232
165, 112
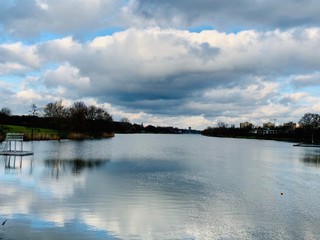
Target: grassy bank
47, 134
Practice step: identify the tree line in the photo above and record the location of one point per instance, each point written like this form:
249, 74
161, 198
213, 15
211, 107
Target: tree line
307, 130
77, 118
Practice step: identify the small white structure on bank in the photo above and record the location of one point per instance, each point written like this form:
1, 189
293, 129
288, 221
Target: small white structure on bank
13, 145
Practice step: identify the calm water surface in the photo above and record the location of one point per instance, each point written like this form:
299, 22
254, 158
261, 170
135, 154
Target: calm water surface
161, 187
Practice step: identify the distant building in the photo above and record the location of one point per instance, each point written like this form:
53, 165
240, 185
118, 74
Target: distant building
269, 125
246, 125
267, 131
290, 125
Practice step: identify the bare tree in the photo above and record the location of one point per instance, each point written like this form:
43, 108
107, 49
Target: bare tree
78, 110
34, 113
310, 120
55, 110
222, 124
34, 109
5, 111
78, 115
125, 120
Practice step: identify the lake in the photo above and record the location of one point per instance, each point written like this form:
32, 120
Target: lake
161, 187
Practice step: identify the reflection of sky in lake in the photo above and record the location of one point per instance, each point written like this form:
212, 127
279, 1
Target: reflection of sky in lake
161, 187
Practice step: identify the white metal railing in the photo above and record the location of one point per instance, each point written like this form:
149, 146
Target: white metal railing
14, 137
5, 147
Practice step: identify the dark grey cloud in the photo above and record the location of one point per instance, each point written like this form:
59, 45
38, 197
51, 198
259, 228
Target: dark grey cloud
231, 14
34, 19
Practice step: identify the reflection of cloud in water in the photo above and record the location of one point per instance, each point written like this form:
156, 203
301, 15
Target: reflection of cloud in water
59, 218
141, 198
34, 229
62, 189
127, 198
149, 196
15, 202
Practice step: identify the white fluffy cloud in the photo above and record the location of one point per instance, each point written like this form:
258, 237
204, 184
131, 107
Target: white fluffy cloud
17, 58
151, 73
66, 77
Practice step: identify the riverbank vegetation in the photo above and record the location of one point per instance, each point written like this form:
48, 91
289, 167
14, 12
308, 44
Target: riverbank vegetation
29, 133
56, 121
79, 121
307, 130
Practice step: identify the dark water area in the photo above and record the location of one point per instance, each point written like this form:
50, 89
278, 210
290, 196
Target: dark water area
161, 187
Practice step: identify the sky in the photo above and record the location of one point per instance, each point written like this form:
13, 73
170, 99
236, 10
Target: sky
182, 63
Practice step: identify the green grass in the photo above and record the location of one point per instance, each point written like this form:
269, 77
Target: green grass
26, 130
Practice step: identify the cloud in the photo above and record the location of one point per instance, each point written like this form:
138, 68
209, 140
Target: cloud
162, 71
17, 58
173, 73
226, 14
30, 18
66, 77
11, 68
261, 61
6, 90
58, 50
306, 80
34, 19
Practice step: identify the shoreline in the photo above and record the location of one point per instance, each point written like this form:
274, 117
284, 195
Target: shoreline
281, 139
60, 136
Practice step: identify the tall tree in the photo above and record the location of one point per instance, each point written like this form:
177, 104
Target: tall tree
34, 110
78, 115
97, 113
57, 114
55, 110
310, 120
34, 113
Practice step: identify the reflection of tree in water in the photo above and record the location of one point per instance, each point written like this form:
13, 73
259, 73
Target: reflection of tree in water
76, 166
312, 158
